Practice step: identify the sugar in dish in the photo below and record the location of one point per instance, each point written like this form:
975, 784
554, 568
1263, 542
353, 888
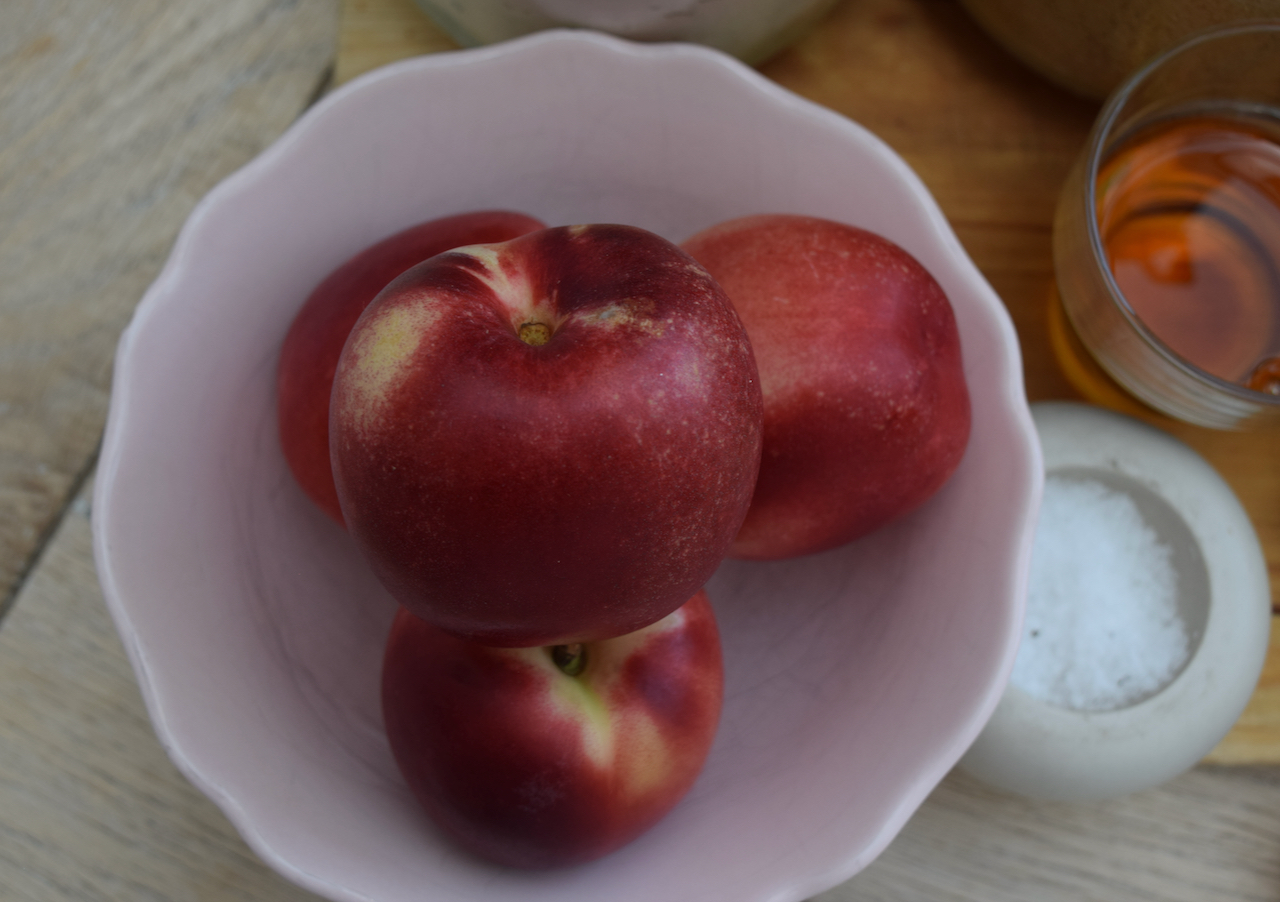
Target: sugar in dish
1102, 625
1148, 615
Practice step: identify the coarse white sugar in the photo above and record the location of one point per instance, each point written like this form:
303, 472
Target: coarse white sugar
1102, 625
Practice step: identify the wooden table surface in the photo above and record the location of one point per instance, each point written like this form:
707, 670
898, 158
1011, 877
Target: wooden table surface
116, 119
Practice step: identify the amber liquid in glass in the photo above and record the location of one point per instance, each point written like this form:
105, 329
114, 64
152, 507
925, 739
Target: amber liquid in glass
1189, 215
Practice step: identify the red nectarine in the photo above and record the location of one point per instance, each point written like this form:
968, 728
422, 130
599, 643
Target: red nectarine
548, 440
538, 757
866, 405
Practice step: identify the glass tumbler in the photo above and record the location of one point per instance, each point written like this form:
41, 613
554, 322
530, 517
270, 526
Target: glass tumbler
1167, 233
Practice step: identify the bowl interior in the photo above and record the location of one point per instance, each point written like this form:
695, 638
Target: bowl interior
855, 679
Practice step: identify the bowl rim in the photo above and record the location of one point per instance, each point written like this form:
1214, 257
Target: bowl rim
1012, 404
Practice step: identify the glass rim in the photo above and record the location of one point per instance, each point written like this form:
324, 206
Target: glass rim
1097, 143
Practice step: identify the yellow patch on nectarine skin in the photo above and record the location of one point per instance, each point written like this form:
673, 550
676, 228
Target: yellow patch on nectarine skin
578, 701
646, 767
641, 755
381, 348
623, 740
573, 698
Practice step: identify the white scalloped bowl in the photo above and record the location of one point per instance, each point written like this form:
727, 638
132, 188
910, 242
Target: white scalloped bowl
855, 679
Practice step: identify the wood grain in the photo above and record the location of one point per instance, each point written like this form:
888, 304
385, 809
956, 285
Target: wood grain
1210, 835
115, 119
377, 32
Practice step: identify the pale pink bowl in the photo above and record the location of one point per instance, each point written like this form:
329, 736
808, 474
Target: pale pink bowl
856, 679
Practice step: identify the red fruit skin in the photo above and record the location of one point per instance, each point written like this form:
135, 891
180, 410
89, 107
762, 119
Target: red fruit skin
527, 766
866, 406
523, 495
309, 355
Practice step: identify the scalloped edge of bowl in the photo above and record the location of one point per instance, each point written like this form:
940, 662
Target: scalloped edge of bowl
1027, 485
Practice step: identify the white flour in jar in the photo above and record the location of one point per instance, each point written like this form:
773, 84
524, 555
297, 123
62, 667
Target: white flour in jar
1102, 626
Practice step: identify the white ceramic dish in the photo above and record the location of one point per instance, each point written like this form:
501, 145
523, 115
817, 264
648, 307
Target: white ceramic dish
1039, 749
855, 679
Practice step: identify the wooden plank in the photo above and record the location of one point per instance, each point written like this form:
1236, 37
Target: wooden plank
114, 121
377, 32
1255, 738
1208, 836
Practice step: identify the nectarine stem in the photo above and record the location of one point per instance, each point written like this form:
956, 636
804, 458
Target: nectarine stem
534, 333
571, 659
